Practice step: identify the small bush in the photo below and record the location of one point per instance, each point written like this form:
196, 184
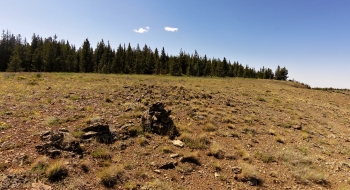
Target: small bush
57, 171
111, 175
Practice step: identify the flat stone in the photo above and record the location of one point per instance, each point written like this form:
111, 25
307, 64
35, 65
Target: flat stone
157, 171
90, 134
178, 143
174, 155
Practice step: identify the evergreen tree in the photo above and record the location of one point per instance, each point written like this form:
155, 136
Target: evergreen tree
15, 62
86, 57
163, 62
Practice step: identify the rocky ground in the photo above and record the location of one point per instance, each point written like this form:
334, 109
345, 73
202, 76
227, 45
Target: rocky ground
90, 131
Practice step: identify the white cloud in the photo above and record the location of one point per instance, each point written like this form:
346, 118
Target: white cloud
142, 30
170, 29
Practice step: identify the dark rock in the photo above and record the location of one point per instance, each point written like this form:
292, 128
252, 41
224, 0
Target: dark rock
101, 132
53, 144
168, 165
157, 120
101, 128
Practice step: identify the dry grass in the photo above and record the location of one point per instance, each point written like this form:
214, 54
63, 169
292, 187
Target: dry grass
57, 171
213, 115
111, 175
200, 142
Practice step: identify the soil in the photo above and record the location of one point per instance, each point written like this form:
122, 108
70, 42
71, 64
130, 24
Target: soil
236, 133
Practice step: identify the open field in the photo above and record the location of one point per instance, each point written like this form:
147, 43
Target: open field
237, 133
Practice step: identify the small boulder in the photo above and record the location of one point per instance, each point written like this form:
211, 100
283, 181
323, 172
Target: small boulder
178, 143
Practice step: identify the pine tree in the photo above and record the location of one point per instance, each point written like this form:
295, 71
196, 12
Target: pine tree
15, 62
86, 55
163, 62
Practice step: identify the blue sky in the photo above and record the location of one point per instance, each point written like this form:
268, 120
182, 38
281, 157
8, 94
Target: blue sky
311, 38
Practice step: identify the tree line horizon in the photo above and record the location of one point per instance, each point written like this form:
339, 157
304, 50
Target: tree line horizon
51, 55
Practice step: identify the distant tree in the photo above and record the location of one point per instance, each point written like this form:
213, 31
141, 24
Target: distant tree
86, 57
281, 73
15, 62
163, 62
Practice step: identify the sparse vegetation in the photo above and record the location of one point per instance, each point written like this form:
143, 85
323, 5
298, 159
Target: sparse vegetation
101, 152
111, 175
57, 171
296, 136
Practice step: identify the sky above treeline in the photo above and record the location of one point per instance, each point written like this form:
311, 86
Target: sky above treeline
310, 38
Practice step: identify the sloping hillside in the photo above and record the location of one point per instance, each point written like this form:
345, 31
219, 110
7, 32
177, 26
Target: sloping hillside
83, 131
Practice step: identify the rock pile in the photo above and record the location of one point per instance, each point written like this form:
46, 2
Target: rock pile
157, 120
54, 143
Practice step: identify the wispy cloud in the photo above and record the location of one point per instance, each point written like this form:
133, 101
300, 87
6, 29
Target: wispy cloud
142, 30
170, 29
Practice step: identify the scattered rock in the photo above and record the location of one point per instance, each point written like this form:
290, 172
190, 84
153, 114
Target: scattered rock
54, 143
157, 171
156, 120
178, 143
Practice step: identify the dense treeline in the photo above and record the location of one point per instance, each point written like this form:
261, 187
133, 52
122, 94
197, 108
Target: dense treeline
51, 55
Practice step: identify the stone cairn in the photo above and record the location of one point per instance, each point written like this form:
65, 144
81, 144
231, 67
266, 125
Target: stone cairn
156, 120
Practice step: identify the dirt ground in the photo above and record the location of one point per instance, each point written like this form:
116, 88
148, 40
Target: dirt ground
84, 131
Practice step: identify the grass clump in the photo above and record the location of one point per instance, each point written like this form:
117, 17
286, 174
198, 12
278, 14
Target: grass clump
101, 152
265, 157
191, 158
216, 151
249, 174
209, 127
143, 141
280, 139
85, 165
111, 175
217, 166
78, 134
4, 126
39, 166
57, 171
200, 142
52, 121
